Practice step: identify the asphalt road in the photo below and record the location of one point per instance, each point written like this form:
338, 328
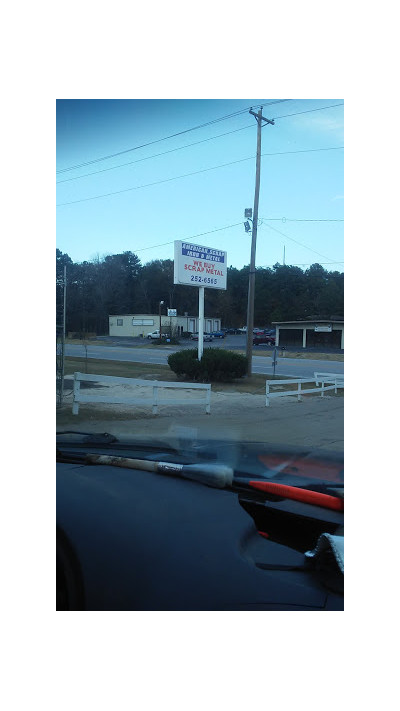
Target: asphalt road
293, 367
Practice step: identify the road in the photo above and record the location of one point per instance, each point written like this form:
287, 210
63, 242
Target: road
293, 367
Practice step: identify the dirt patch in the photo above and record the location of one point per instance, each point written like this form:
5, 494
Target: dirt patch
314, 422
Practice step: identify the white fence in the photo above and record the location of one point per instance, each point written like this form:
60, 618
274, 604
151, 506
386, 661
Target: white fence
329, 381
153, 400
336, 378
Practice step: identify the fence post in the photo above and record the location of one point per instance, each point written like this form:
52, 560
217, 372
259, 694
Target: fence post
155, 400
298, 392
322, 389
267, 393
75, 403
208, 399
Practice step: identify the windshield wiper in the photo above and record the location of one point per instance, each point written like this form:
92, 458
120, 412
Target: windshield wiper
89, 437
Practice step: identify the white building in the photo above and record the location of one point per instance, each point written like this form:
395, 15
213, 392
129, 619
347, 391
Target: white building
142, 324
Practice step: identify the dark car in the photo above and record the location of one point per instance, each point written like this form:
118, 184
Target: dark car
232, 331
218, 334
227, 526
263, 338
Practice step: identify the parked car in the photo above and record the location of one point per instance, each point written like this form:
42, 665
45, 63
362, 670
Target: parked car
155, 335
206, 336
242, 330
218, 334
265, 338
231, 331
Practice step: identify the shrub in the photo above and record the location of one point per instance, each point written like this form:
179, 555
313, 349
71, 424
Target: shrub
216, 365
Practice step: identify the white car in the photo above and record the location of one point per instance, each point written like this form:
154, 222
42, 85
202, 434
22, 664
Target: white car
155, 335
206, 336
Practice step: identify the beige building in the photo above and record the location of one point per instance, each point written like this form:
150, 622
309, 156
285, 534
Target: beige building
142, 324
324, 332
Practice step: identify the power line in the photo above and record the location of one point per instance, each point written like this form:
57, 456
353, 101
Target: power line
174, 135
292, 219
322, 108
300, 243
306, 264
201, 234
186, 175
218, 229
189, 145
188, 239
156, 155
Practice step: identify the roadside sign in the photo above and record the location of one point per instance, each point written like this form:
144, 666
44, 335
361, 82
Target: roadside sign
171, 312
199, 266
323, 329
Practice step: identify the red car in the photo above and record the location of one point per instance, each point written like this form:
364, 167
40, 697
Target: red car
260, 338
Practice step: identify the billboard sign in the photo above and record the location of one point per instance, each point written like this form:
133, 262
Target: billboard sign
199, 266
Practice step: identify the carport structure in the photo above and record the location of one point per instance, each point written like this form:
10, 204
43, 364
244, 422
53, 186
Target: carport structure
328, 333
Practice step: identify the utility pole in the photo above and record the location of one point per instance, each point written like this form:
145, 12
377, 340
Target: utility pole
252, 274
159, 313
60, 327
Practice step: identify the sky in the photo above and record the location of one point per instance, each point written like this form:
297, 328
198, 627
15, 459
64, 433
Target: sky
116, 194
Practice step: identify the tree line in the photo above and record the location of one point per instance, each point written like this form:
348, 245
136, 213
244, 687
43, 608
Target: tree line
120, 284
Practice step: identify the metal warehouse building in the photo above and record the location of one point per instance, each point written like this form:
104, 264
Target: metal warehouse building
328, 333
142, 324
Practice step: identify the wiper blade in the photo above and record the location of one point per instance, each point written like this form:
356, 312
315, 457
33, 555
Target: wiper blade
217, 475
220, 476
90, 437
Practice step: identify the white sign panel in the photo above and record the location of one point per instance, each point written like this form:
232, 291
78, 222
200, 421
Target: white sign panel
171, 312
323, 329
199, 266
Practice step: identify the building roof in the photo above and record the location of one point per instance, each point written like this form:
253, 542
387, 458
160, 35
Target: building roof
310, 321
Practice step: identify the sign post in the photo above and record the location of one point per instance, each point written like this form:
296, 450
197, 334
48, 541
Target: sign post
274, 361
202, 267
201, 323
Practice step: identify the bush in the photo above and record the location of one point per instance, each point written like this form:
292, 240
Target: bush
217, 365
186, 334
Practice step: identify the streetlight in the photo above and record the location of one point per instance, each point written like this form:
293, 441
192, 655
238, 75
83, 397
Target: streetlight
159, 313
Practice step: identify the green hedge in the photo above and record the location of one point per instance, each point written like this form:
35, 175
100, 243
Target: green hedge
216, 365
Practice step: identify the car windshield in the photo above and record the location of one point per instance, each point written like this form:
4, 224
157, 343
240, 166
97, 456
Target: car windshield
200, 279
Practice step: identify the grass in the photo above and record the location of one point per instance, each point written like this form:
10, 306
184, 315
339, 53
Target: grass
306, 355
120, 369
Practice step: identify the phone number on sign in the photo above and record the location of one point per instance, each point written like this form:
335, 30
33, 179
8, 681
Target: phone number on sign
203, 280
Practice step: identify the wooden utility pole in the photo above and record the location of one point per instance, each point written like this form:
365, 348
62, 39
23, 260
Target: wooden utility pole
252, 274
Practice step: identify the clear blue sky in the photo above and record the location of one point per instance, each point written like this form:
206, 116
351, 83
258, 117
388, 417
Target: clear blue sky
297, 189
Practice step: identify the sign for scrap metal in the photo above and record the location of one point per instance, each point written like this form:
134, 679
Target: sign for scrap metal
199, 266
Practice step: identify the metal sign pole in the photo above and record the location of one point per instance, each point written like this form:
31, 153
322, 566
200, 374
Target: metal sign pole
201, 322
274, 362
